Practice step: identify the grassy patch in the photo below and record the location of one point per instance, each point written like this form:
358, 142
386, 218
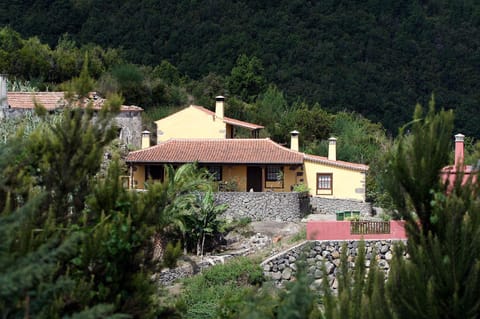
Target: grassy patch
300, 236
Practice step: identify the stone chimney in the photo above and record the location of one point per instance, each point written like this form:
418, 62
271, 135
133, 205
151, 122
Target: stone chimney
145, 139
459, 141
3, 94
294, 140
219, 106
332, 149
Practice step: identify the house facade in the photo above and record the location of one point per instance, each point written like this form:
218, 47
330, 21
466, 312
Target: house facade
198, 122
15, 104
330, 178
248, 164
237, 164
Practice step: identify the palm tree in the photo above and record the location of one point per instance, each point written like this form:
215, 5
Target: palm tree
205, 218
171, 202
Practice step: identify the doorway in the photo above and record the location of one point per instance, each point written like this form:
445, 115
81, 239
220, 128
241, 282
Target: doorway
254, 178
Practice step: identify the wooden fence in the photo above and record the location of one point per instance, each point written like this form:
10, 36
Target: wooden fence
364, 227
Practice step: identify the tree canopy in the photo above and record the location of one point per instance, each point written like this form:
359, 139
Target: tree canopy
376, 58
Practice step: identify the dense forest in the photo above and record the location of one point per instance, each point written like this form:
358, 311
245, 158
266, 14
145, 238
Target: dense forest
377, 58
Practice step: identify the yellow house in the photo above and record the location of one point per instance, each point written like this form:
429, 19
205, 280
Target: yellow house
237, 164
327, 177
198, 135
253, 165
198, 122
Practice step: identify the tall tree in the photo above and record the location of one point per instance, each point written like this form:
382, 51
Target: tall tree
78, 247
246, 79
36, 248
441, 277
419, 155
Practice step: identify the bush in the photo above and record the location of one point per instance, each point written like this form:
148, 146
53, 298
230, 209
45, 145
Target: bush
301, 188
203, 292
171, 255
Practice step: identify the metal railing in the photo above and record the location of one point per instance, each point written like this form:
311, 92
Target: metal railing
365, 227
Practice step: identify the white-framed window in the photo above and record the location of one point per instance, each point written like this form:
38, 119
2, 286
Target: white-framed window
324, 183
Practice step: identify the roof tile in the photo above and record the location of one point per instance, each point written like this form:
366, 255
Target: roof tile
326, 161
53, 100
233, 151
231, 121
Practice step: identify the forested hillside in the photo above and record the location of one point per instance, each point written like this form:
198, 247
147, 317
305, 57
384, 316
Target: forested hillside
375, 57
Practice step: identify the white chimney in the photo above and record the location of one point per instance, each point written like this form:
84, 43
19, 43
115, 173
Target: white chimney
459, 147
3, 92
145, 139
332, 149
294, 140
219, 106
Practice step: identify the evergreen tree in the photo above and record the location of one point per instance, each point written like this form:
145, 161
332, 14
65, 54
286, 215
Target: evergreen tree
68, 258
360, 290
27, 264
441, 277
34, 251
65, 155
298, 300
246, 79
415, 163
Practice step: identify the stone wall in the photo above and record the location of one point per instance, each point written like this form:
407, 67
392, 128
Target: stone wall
14, 113
167, 277
322, 205
131, 128
130, 124
265, 206
282, 268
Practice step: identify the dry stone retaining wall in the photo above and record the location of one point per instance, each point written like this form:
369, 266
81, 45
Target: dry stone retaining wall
265, 206
288, 206
322, 205
282, 267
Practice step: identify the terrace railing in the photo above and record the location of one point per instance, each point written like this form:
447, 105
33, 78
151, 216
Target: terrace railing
365, 227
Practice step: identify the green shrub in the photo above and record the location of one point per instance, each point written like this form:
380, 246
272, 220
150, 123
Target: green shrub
301, 188
202, 293
172, 253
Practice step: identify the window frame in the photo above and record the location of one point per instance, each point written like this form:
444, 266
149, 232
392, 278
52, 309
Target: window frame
158, 175
324, 190
216, 171
279, 171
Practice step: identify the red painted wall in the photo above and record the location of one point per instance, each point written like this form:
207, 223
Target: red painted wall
340, 230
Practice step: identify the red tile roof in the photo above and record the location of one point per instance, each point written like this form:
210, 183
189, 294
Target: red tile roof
229, 120
26, 100
326, 161
53, 100
226, 151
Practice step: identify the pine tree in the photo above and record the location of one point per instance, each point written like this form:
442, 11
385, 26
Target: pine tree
360, 290
421, 151
58, 256
32, 252
441, 277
